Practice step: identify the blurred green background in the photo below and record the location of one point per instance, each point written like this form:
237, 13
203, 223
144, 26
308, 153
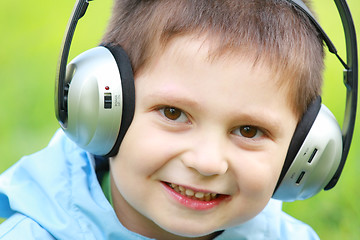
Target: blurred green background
31, 35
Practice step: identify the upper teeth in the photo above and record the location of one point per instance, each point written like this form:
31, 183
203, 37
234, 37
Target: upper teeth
204, 196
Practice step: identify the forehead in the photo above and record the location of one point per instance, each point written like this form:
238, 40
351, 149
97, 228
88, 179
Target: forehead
184, 50
186, 74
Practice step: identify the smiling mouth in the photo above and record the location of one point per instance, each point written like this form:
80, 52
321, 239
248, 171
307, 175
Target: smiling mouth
190, 193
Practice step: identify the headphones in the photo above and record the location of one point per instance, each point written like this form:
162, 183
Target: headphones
95, 103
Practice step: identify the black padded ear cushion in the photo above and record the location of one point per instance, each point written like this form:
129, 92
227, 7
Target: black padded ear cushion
299, 136
128, 91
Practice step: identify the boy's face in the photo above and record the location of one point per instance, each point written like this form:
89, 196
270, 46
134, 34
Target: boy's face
206, 146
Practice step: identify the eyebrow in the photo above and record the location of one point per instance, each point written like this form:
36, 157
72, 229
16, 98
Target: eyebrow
173, 97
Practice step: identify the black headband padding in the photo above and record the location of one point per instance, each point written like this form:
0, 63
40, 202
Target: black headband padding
128, 91
299, 136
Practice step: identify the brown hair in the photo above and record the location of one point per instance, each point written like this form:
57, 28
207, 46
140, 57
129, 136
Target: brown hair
269, 31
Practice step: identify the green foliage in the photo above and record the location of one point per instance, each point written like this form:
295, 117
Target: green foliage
31, 36
32, 32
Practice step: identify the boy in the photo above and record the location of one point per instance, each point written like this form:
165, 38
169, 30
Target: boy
220, 87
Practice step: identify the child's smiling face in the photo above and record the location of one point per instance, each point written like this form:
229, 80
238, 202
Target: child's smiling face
206, 146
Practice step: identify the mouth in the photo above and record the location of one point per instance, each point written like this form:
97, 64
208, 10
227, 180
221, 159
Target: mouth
194, 199
195, 195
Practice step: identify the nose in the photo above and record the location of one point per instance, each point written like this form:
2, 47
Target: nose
207, 156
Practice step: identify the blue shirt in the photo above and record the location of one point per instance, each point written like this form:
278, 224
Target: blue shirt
55, 194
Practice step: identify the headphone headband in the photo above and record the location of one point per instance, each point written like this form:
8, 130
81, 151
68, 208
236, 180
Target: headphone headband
351, 83
61, 85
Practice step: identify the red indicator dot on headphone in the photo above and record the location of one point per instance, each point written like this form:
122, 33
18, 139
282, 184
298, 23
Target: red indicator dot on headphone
107, 88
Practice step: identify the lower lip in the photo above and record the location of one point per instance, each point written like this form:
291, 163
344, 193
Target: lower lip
194, 204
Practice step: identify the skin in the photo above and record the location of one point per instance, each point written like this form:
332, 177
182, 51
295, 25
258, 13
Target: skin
218, 126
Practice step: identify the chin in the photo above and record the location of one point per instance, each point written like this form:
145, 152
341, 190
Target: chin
190, 230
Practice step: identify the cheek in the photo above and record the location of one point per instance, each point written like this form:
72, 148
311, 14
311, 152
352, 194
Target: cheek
144, 149
257, 174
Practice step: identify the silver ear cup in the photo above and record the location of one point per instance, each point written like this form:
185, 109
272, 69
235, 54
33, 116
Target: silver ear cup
94, 101
316, 161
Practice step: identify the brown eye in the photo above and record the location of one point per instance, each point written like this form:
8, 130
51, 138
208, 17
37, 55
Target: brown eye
248, 131
172, 113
